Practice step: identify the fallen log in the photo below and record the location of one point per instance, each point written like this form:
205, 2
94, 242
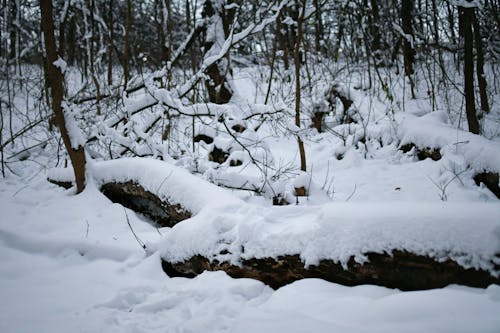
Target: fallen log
422, 153
399, 269
135, 197
490, 180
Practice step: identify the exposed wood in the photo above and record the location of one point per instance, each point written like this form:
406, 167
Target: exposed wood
61, 183
402, 270
135, 197
490, 180
422, 153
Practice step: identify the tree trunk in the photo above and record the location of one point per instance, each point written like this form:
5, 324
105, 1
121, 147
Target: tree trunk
318, 26
126, 51
71, 41
168, 51
407, 7
481, 79
55, 78
296, 57
467, 16
282, 42
110, 43
217, 86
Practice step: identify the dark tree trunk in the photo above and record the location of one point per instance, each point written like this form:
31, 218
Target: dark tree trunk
110, 43
71, 41
407, 7
126, 51
374, 27
296, 56
282, 42
318, 26
467, 16
481, 79
55, 78
168, 54
12, 13
217, 86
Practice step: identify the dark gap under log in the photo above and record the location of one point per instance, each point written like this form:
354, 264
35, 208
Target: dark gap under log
202, 137
422, 153
402, 270
61, 183
135, 197
218, 155
490, 180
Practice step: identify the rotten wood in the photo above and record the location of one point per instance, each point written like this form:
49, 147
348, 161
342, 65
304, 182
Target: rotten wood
490, 180
422, 153
401, 269
135, 197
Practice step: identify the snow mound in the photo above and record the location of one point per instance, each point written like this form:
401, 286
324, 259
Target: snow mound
166, 181
469, 235
432, 131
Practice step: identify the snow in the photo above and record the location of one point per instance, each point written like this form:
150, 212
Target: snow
76, 135
335, 231
339, 231
167, 181
70, 264
61, 64
431, 131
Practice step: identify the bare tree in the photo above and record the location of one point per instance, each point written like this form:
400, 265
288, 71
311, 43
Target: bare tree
55, 77
407, 8
467, 18
296, 58
126, 51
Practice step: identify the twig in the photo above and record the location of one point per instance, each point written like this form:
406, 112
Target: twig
87, 231
141, 243
350, 196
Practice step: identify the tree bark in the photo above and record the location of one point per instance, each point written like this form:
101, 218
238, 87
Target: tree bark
407, 7
296, 56
481, 79
217, 86
466, 30
126, 51
110, 43
55, 77
318, 26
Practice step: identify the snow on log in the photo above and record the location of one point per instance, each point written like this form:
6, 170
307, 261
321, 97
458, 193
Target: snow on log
432, 137
410, 246
63, 177
433, 132
164, 192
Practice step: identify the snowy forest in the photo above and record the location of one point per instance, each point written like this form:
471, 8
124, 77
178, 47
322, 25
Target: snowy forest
249, 166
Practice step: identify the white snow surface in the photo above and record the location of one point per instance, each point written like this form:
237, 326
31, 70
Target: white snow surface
432, 131
167, 181
228, 229
70, 264
336, 231
469, 234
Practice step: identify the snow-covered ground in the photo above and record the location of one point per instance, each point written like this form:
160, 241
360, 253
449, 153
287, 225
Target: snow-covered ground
71, 264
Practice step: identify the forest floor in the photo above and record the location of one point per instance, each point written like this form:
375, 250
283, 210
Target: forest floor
71, 263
